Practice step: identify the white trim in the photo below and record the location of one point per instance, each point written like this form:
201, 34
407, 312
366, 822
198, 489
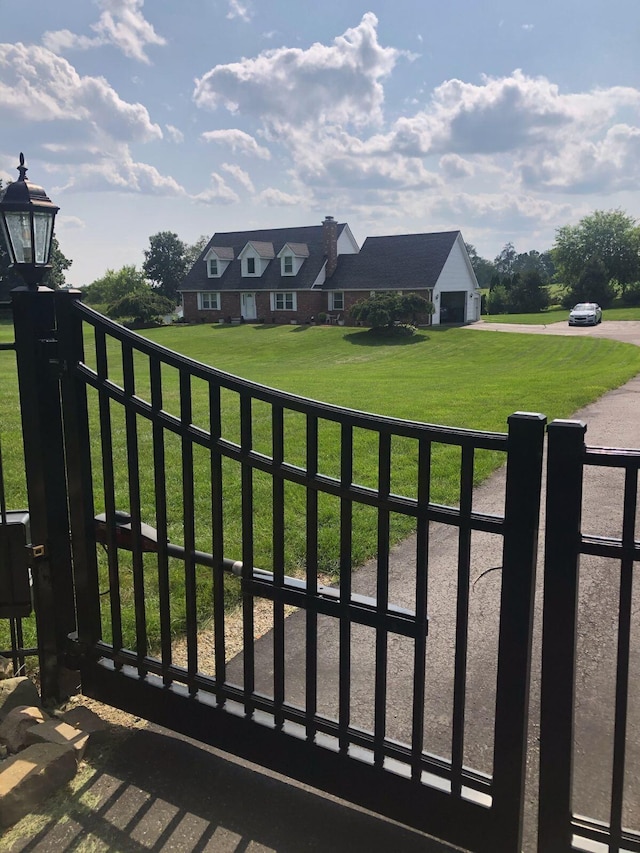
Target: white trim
332, 300
211, 296
273, 299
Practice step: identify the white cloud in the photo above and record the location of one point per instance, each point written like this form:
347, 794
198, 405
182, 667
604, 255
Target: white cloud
121, 24
454, 167
219, 192
123, 174
273, 197
38, 86
336, 84
607, 165
240, 176
174, 134
238, 9
238, 141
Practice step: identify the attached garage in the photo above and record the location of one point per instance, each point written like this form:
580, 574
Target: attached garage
453, 304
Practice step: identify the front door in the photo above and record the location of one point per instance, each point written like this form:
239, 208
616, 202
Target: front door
248, 306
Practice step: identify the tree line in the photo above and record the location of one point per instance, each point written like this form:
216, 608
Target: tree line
597, 260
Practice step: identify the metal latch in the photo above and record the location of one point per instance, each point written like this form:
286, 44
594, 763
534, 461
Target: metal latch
35, 551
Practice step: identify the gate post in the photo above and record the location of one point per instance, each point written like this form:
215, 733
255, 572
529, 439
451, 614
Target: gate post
38, 381
519, 558
561, 564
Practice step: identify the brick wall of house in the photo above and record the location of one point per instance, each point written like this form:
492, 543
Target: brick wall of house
309, 304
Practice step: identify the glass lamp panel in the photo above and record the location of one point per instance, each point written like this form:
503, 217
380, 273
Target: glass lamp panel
20, 236
42, 227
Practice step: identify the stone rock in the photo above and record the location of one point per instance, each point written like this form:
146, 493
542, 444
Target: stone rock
6, 668
14, 727
29, 777
15, 692
85, 719
56, 731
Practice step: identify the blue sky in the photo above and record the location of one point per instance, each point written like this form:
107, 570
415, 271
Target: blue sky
504, 119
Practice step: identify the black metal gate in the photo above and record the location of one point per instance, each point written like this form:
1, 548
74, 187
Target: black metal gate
256, 498
590, 702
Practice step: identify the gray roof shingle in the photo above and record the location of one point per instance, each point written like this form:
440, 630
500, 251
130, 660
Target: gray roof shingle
310, 235
402, 262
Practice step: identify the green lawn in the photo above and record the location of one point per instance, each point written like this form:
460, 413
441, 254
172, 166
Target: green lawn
559, 315
445, 376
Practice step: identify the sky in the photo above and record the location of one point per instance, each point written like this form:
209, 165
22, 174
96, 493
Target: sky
502, 118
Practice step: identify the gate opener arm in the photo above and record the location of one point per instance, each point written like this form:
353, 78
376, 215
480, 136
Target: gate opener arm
149, 543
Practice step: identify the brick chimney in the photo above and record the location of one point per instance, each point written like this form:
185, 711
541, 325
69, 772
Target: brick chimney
330, 244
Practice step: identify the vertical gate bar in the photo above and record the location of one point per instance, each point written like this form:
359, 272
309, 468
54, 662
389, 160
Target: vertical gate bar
133, 470
525, 447
34, 326
188, 521
623, 653
277, 437
346, 521
462, 620
217, 530
246, 443
108, 482
559, 621
382, 596
311, 614
160, 489
79, 470
421, 600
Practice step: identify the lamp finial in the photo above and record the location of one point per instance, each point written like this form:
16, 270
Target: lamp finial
22, 168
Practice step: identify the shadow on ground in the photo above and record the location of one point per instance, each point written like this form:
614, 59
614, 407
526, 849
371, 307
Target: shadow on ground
161, 792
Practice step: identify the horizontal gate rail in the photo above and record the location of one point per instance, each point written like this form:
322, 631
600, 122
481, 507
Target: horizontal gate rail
560, 829
136, 428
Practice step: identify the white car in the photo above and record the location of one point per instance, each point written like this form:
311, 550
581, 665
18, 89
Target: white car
585, 314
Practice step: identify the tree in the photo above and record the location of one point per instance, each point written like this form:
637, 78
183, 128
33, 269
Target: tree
527, 294
483, 268
193, 251
115, 284
142, 305
593, 285
534, 261
612, 236
165, 263
497, 301
59, 263
504, 262
384, 310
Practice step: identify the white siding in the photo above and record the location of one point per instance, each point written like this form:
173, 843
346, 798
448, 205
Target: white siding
456, 274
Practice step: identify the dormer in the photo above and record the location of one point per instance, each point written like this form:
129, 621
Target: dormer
255, 257
217, 260
292, 256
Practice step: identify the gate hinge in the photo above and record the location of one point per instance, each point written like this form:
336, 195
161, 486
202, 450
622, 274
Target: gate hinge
75, 651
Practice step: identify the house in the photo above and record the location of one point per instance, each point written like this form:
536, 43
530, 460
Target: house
293, 274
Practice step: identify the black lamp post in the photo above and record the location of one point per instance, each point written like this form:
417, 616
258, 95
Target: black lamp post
26, 221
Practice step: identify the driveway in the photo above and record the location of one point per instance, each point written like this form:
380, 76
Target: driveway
627, 331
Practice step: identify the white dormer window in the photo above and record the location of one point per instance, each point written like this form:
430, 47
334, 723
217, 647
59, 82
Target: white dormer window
217, 260
292, 256
255, 258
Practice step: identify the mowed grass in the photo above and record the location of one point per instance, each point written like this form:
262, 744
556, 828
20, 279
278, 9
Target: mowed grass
556, 314
454, 377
